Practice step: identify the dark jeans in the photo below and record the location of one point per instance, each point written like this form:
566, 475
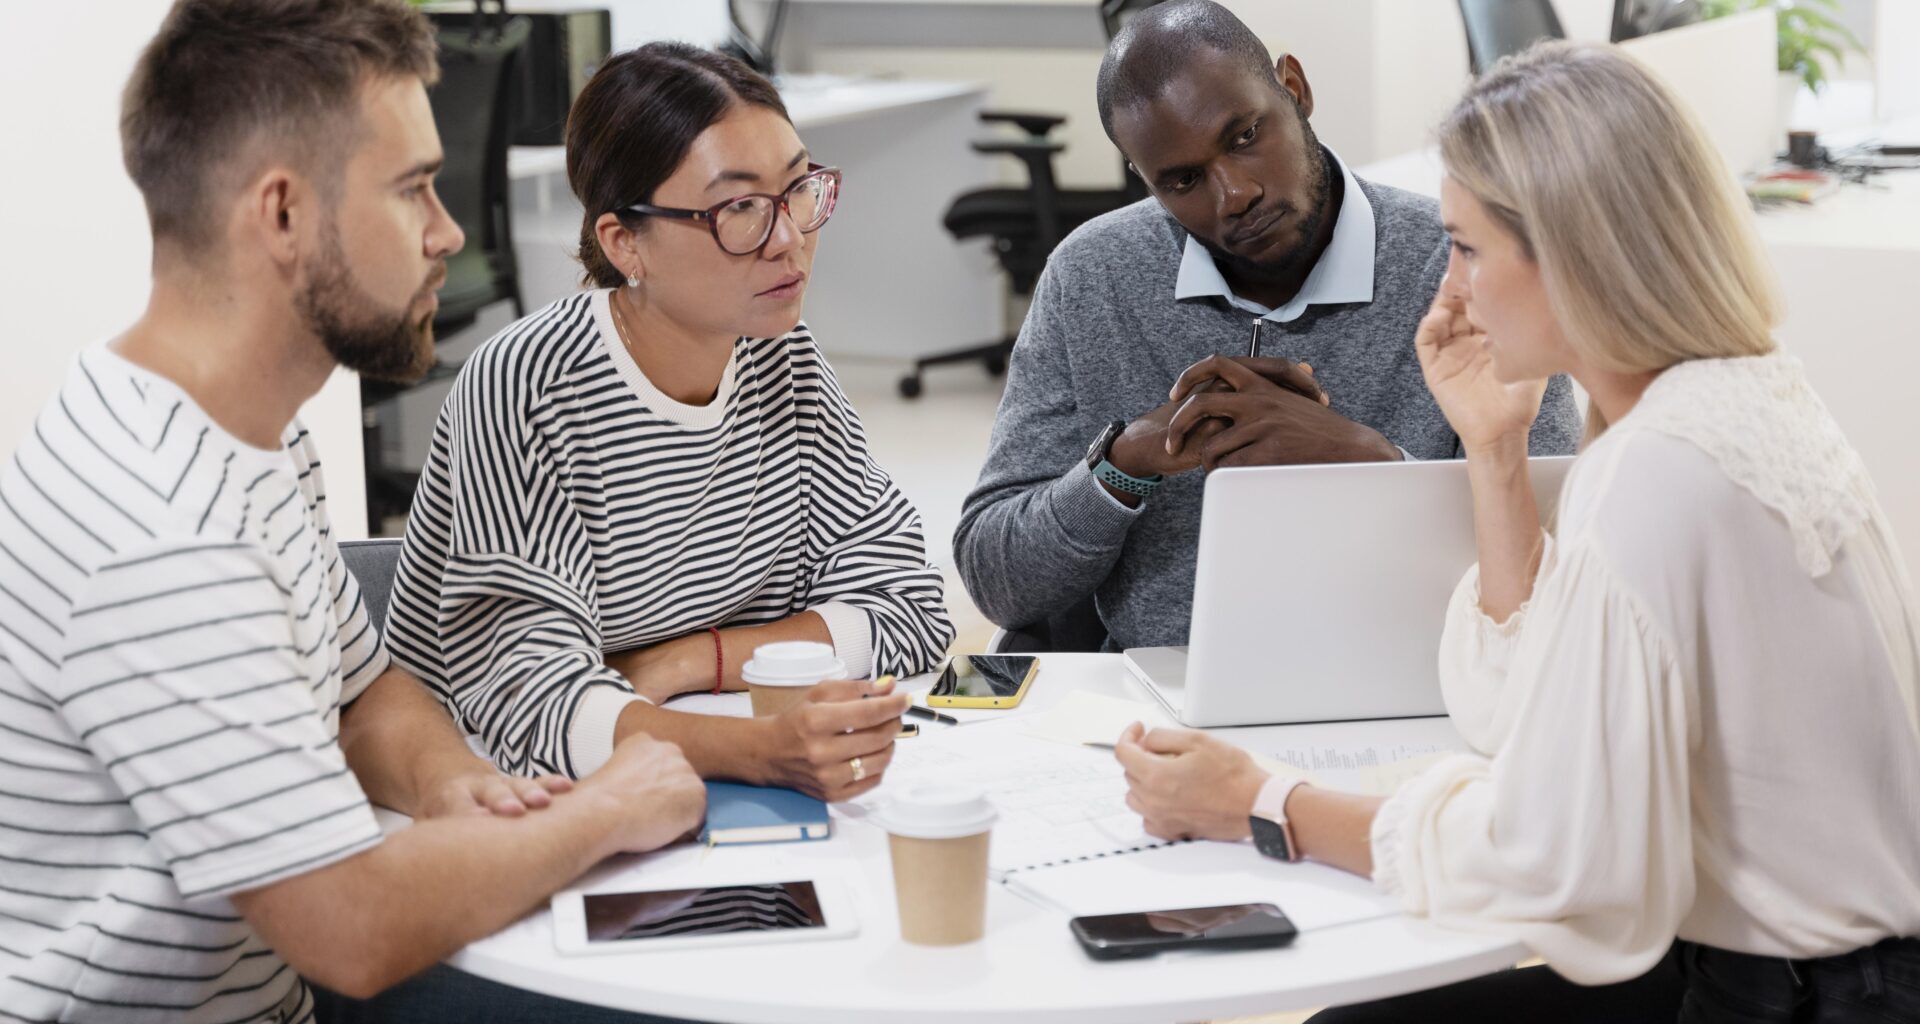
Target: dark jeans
1876, 985
443, 995
1693, 984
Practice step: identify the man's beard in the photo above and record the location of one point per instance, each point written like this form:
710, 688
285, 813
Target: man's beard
1300, 259
383, 344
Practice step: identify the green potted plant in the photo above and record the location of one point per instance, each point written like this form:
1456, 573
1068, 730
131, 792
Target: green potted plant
1812, 42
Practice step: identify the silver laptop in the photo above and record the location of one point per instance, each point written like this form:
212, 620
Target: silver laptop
1320, 592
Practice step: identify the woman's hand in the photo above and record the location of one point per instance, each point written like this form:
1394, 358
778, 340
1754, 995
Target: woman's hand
1188, 785
479, 788
816, 743
1487, 413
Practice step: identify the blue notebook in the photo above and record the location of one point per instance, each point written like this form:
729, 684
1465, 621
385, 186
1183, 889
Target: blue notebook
739, 814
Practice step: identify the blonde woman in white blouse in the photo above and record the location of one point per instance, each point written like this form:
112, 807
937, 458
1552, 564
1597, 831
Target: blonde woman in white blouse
1692, 706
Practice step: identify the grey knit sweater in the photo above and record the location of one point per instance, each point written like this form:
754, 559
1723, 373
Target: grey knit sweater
1104, 340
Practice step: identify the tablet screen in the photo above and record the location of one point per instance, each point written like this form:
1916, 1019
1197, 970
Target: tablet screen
625, 916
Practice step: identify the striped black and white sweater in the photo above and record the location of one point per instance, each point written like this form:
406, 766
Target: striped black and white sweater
568, 509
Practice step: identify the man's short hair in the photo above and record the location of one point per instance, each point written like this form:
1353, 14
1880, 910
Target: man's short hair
229, 84
1162, 40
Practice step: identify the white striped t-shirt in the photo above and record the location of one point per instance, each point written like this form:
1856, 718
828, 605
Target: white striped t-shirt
177, 636
568, 508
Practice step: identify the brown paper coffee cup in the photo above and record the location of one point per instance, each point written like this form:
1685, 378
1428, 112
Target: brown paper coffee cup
771, 700
941, 885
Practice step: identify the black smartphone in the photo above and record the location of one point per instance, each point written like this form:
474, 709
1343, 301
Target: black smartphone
1240, 926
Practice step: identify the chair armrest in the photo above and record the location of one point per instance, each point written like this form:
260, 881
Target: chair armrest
1032, 124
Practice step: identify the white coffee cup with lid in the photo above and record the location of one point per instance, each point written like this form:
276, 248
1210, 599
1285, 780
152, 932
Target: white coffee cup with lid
779, 675
938, 835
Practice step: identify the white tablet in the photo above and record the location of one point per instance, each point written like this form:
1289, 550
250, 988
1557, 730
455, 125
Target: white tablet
711, 912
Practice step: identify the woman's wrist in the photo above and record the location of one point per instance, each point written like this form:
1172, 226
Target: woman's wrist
1503, 451
668, 669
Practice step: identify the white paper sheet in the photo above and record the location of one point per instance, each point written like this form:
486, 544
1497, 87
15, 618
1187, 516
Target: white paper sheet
1056, 801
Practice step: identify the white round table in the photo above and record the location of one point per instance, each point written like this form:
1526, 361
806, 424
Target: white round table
1028, 968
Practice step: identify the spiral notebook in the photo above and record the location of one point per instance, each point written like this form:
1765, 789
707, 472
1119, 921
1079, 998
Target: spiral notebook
1202, 874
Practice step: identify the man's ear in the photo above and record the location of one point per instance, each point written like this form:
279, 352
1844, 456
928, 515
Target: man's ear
269, 217
1293, 78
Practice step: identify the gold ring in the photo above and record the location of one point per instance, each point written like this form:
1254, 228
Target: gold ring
859, 770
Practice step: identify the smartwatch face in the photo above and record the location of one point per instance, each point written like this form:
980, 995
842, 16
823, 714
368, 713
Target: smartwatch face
1269, 838
1098, 450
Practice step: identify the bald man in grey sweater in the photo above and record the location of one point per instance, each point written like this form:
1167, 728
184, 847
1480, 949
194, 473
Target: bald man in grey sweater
1250, 218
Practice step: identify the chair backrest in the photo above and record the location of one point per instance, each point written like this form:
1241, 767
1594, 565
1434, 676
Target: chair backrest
1497, 28
373, 563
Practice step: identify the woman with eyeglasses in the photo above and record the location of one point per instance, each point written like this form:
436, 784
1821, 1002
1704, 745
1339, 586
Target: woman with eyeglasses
632, 489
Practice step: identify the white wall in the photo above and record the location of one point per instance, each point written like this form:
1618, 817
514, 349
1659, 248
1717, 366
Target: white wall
1896, 45
703, 22
1383, 71
74, 250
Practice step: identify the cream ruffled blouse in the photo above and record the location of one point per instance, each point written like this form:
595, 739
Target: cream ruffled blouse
1703, 722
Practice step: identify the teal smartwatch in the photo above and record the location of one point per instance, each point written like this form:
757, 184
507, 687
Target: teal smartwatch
1108, 474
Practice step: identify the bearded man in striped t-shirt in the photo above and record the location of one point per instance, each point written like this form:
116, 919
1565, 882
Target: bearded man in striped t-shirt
197, 711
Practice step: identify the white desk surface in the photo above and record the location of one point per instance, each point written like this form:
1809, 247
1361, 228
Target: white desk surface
1027, 969
813, 101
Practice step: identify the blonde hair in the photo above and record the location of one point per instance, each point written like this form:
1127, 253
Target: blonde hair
1645, 243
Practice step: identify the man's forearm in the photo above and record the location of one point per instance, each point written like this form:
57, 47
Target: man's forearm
397, 737
717, 746
1040, 552
428, 890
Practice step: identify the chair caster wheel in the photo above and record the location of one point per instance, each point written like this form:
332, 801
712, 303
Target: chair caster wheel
910, 386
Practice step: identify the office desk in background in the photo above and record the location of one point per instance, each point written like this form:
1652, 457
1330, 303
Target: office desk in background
1028, 969
888, 280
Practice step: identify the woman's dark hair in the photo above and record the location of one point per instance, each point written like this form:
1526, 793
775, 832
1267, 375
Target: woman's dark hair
635, 120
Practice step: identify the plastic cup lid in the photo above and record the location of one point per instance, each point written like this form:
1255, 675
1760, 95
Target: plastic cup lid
937, 810
792, 663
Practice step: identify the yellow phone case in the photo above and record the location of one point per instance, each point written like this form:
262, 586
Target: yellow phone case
991, 701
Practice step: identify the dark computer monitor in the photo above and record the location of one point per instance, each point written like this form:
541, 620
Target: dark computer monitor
1635, 18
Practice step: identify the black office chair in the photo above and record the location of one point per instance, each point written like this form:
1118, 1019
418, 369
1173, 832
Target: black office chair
1497, 28
470, 107
1026, 223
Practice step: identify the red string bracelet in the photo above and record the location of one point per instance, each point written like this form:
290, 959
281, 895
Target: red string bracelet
719, 661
